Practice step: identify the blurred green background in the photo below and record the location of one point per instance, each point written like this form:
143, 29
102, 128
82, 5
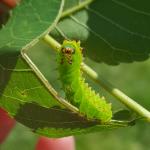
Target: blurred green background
133, 79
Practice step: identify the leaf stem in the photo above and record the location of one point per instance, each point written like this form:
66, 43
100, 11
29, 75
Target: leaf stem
123, 98
76, 8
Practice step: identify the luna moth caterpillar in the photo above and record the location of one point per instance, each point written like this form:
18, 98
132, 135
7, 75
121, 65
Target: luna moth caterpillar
77, 91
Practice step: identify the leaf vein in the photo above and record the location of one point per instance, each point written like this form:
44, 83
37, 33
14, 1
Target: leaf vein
99, 36
130, 8
61, 32
117, 25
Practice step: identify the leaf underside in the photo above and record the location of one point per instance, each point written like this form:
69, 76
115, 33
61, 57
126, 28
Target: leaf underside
112, 31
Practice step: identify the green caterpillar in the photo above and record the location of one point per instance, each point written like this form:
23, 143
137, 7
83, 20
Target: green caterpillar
76, 90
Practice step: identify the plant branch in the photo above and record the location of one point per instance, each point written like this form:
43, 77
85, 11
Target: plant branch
123, 98
76, 8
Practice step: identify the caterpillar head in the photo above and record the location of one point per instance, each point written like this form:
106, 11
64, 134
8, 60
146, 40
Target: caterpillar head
71, 52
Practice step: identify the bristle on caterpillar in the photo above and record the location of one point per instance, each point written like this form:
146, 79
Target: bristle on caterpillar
76, 90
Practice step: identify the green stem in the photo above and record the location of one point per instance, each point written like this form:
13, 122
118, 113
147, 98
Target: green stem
130, 103
76, 8
123, 98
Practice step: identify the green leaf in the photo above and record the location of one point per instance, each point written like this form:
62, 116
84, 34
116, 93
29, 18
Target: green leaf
21, 85
29, 21
25, 97
112, 31
55, 122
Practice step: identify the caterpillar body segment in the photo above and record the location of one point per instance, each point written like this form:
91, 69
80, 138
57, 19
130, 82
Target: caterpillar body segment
77, 92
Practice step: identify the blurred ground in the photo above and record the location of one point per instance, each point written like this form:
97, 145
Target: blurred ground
133, 79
